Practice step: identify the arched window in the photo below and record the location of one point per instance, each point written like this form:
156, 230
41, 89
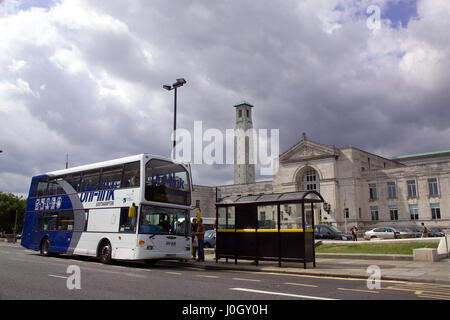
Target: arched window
310, 180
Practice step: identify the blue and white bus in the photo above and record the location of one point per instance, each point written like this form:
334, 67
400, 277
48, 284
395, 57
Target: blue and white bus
133, 208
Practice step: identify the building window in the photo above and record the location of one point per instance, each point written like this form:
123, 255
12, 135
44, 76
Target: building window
374, 213
347, 213
240, 114
435, 211
248, 113
414, 211
412, 190
392, 193
433, 186
310, 181
393, 211
197, 204
373, 191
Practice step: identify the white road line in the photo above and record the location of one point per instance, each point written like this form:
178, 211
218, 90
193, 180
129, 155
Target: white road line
281, 294
54, 276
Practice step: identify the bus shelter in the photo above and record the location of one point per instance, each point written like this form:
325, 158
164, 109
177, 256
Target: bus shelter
277, 227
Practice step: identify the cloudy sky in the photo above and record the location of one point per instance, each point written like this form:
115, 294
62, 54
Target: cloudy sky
84, 77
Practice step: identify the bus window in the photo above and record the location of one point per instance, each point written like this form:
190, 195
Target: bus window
54, 188
111, 178
90, 181
74, 179
127, 224
65, 221
167, 182
131, 177
40, 189
48, 222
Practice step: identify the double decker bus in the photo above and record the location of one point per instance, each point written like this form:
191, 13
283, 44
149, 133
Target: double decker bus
133, 208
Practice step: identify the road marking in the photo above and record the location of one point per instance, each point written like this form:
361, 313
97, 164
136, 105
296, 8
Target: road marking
243, 279
424, 290
301, 284
281, 294
55, 276
176, 273
430, 296
358, 290
205, 276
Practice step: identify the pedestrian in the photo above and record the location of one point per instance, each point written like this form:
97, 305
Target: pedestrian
194, 240
200, 236
424, 231
354, 231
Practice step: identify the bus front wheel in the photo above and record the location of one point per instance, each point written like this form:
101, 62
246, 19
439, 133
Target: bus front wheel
105, 252
45, 247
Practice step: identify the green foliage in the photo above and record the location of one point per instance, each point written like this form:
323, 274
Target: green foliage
376, 248
9, 203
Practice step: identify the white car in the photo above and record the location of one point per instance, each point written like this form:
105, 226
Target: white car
381, 233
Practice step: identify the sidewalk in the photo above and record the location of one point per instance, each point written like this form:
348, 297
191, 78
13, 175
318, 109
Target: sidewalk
391, 269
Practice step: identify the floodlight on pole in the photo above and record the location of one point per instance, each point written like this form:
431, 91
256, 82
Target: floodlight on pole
180, 82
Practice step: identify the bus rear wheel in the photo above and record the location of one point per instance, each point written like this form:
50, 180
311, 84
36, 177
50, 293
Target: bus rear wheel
105, 252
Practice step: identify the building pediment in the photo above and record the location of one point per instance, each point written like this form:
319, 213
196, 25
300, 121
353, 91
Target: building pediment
308, 150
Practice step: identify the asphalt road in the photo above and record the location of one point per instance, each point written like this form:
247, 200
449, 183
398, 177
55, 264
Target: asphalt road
25, 275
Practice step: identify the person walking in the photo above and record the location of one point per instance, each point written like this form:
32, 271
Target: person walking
201, 237
424, 231
354, 231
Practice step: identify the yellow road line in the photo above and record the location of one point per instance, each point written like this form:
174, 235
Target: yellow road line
243, 279
205, 276
301, 284
358, 290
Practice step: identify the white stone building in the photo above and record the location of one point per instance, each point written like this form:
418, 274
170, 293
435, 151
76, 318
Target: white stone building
360, 188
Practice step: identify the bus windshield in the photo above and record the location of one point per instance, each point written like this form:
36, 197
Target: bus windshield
159, 220
167, 182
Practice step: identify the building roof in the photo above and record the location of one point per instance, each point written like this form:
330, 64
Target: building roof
243, 102
421, 154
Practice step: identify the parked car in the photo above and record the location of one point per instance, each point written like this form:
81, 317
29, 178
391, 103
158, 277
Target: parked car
330, 232
210, 239
417, 231
405, 233
381, 233
435, 232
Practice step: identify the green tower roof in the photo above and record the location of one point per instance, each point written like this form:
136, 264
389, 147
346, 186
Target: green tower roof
243, 102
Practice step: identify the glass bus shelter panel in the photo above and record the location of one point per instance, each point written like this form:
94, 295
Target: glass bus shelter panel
309, 214
246, 216
291, 217
292, 245
292, 196
312, 196
267, 217
226, 218
268, 198
247, 199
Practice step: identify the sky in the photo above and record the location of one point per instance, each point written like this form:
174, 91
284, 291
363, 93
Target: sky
85, 77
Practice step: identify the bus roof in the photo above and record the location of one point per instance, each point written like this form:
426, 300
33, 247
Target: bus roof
108, 163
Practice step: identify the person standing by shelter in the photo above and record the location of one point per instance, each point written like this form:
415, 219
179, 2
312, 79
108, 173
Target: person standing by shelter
200, 236
194, 239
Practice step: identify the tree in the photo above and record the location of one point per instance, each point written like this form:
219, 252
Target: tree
9, 205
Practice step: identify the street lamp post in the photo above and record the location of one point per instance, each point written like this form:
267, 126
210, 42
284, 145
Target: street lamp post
174, 86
